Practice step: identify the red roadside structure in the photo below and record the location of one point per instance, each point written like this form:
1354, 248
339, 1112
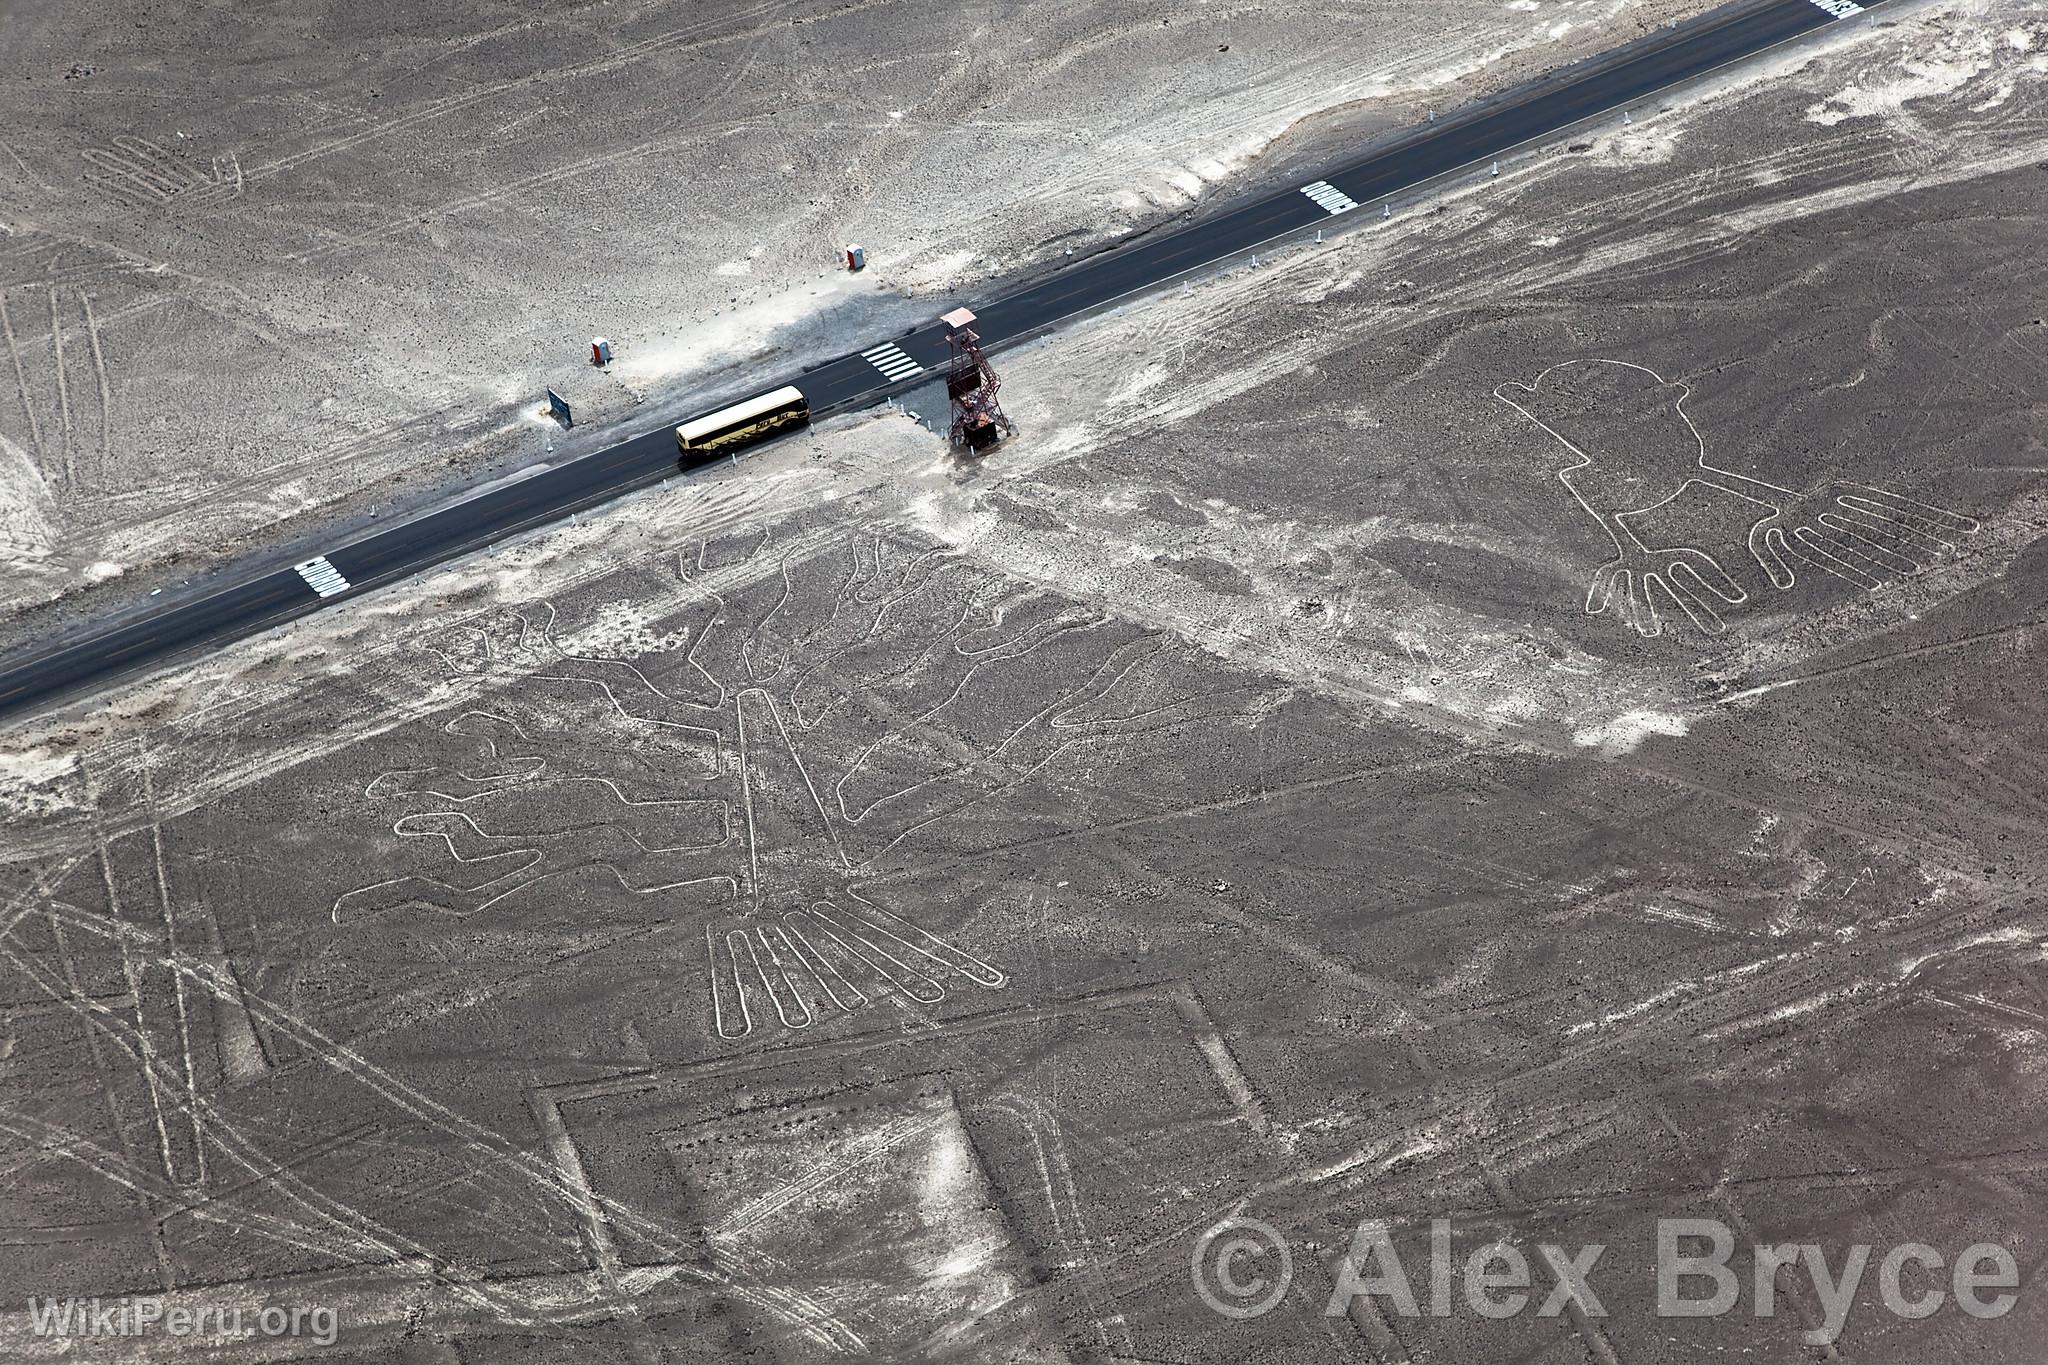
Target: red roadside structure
971, 382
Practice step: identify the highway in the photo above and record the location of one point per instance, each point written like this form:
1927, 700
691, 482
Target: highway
174, 626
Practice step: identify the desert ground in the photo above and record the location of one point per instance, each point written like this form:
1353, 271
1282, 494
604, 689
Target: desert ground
267, 273
1528, 713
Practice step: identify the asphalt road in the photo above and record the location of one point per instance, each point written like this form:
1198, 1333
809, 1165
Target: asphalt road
154, 633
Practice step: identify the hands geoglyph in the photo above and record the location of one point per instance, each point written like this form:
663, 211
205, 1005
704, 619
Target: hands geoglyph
1635, 451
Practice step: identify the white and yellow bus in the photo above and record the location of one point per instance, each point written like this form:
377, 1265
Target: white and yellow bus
743, 423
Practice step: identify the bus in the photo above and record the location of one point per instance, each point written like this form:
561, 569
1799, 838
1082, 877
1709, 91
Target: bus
743, 423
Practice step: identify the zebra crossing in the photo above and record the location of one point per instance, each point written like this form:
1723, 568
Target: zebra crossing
891, 361
322, 577
1841, 9
1331, 198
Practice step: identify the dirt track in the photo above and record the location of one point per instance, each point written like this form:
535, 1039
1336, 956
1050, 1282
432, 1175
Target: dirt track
1361, 753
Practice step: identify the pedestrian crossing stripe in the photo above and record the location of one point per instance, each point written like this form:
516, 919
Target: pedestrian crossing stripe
322, 577
1841, 9
1329, 197
891, 361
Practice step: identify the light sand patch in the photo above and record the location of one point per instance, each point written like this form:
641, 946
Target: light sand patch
36, 782
621, 629
1638, 144
1626, 732
26, 533
1958, 58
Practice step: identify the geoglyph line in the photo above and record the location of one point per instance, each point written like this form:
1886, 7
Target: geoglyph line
1864, 535
821, 956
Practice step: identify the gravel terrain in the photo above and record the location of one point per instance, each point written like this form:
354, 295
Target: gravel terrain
267, 271
1526, 714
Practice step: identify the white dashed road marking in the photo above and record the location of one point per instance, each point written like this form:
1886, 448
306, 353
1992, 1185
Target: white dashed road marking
1841, 9
322, 577
1331, 198
890, 360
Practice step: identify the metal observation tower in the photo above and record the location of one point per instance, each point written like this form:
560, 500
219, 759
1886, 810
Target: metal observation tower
972, 384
